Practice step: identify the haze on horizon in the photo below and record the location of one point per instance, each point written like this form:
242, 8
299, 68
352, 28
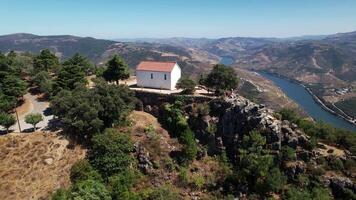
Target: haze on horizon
112, 19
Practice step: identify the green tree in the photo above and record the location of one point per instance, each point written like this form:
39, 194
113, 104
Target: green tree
34, 119
190, 148
13, 86
110, 152
116, 102
69, 77
221, 78
6, 120
116, 70
77, 111
82, 170
6, 102
187, 85
82, 62
43, 81
89, 190
45, 61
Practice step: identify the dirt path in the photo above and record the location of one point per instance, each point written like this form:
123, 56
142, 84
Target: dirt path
33, 105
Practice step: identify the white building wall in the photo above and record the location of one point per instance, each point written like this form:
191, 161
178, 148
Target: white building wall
157, 81
175, 74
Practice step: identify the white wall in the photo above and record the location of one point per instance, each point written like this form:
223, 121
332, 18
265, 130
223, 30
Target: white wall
144, 79
175, 74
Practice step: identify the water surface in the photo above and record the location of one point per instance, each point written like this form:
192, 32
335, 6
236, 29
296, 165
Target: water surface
301, 96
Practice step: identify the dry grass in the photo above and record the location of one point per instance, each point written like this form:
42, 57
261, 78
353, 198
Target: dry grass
328, 150
34, 165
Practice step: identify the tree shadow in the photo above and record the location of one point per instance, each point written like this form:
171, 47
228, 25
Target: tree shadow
47, 112
53, 125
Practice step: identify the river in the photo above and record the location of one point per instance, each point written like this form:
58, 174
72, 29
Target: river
305, 100
301, 96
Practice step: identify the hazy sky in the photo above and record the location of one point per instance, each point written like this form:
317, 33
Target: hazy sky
182, 18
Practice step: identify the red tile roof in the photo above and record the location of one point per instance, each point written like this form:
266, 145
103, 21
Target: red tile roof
156, 66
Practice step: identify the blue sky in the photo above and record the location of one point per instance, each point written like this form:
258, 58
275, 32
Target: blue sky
177, 18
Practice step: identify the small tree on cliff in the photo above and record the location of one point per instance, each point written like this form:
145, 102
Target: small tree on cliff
188, 85
221, 78
116, 70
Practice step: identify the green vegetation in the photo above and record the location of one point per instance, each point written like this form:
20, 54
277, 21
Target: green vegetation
6, 120
322, 131
173, 118
221, 78
82, 170
12, 88
34, 119
110, 152
45, 61
188, 85
116, 70
86, 111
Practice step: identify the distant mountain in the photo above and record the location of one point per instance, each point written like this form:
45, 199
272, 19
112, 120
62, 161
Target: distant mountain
99, 50
325, 59
64, 45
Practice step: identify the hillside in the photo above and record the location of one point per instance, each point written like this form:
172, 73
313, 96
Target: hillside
33, 165
98, 50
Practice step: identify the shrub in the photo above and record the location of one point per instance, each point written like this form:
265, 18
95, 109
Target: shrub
120, 184
90, 189
187, 85
335, 163
82, 170
110, 152
61, 194
288, 153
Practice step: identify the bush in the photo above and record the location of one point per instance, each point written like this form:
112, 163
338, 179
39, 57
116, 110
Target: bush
90, 189
187, 85
110, 152
120, 185
61, 194
82, 170
288, 153
335, 163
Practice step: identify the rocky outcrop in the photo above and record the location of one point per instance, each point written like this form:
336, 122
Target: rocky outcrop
143, 157
238, 116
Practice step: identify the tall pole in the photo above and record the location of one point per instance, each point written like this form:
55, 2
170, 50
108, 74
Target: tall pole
18, 121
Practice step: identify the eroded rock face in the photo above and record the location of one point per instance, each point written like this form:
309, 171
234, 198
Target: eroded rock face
238, 116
